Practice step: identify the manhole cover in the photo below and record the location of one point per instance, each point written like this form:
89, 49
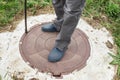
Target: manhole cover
36, 45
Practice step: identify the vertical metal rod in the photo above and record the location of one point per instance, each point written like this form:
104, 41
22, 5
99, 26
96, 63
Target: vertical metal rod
25, 13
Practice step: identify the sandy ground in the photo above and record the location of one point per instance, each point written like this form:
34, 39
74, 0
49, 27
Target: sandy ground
98, 67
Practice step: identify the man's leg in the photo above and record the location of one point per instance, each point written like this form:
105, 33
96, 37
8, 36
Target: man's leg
58, 7
72, 12
56, 25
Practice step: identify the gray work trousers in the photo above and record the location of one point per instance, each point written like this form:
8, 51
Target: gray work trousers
68, 13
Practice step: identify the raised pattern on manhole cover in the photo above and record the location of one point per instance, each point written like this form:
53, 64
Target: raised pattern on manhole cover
37, 44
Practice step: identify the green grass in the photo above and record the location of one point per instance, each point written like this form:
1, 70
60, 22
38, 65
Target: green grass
93, 9
0, 77
9, 8
116, 61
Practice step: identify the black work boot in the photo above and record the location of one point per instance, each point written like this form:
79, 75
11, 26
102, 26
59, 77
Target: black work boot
49, 28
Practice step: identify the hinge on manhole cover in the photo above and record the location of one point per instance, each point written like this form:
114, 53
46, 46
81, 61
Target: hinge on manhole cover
57, 75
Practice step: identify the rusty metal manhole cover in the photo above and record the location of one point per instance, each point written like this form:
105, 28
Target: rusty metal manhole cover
36, 45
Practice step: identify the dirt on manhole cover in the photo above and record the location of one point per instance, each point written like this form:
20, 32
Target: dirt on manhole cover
36, 45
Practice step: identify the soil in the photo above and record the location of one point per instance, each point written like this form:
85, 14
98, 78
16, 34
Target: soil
94, 21
20, 15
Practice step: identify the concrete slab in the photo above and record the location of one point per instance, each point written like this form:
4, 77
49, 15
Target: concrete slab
97, 68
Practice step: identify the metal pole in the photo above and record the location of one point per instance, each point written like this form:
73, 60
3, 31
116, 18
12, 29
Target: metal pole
25, 13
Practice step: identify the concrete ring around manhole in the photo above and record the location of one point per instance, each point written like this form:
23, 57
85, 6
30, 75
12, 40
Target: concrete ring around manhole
36, 45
